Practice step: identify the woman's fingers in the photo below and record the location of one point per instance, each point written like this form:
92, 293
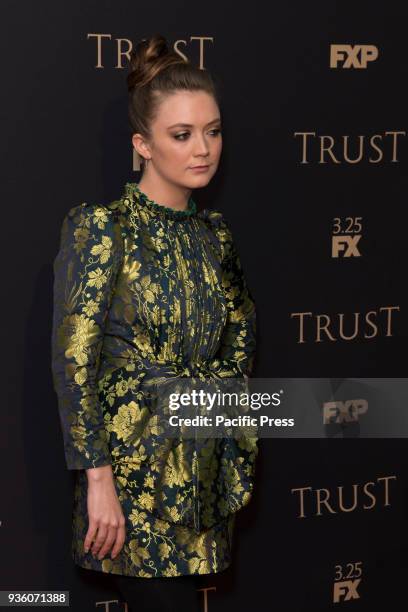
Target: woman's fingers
100, 538
120, 540
110, 537
91, 533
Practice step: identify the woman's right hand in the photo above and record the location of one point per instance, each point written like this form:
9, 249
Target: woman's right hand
106, 520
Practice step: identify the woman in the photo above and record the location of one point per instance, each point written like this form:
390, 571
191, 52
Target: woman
147, 289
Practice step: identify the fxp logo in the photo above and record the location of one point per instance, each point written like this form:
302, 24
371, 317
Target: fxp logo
352, 56
348, 411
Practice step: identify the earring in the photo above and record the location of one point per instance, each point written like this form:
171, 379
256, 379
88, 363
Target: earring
136, 160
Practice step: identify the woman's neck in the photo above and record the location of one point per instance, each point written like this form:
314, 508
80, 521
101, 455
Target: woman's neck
163, 192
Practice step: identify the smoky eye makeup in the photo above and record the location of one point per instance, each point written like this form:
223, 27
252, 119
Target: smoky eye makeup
183, 135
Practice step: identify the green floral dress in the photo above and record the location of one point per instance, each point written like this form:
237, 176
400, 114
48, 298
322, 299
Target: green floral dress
144, 292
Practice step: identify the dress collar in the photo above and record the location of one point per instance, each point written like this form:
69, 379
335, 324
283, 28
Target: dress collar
133, 190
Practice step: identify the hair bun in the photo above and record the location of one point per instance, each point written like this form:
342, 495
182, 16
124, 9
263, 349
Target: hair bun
148, 58
156, 71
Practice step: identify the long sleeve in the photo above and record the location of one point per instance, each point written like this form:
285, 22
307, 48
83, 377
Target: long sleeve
236, 353
85, 272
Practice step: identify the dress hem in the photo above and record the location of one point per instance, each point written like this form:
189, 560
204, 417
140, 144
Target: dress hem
100, 570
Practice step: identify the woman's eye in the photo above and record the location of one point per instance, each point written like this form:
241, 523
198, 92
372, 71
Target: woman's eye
215, 132
177, 136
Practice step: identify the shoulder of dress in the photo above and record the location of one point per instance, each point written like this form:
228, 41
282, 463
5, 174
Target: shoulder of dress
99, 213
217, 222
211, 215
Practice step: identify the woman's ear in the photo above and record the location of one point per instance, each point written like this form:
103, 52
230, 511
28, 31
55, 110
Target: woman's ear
140, 151
141, 146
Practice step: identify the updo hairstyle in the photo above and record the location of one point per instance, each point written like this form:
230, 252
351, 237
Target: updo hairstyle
154, 72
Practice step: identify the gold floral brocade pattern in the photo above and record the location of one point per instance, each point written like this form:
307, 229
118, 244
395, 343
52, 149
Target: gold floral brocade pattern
145, 293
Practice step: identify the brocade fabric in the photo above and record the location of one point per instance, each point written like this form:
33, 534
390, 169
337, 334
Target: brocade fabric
144, 293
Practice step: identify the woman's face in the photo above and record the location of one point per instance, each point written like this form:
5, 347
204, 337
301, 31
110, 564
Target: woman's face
175, 149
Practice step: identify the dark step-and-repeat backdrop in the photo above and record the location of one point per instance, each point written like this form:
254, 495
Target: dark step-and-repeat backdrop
313, 182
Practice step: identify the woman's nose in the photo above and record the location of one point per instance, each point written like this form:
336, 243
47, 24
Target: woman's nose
202, 147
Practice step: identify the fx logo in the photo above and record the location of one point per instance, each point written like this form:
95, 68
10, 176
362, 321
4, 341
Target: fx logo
346, 590
344, 412
352, 56
346, 245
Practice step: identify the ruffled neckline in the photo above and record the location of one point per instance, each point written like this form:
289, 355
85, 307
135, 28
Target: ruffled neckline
162, 209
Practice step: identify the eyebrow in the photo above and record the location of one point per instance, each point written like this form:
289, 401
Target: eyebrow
218, 120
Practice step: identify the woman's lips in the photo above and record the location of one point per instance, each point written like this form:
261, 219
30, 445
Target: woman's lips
198, 168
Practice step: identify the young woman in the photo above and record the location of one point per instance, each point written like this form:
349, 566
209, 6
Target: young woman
147, 288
